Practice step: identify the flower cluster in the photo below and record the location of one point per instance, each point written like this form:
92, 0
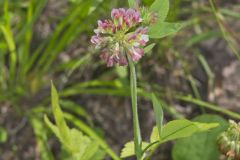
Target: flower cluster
229, 141
121, 37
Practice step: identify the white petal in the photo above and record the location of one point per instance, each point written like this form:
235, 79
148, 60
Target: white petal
145, 37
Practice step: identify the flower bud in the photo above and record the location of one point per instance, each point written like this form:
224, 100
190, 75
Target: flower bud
148, 16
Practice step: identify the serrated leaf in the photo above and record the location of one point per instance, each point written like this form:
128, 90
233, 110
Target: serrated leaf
79, 142
56, 131
91, 133
79, 146
201, 145
58, 115
53, 128
82, 147
161, 7
181, 128
41, 138
129, 150
98, 155
163, 29
158, 112
90, 151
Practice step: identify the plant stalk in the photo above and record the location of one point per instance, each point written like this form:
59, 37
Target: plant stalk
136, 126
226, 35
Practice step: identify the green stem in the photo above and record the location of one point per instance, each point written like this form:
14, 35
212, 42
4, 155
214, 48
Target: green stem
208, 105
6, 30
226, 35
136, 126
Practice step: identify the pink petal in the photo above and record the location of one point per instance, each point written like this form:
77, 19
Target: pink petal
136, 56
115, 13
123, 61
136, 53
104, 55
110, 62
132, 36
96, 40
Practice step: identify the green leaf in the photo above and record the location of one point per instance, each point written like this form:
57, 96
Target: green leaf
121, 71
82, 147
201, 145
3, 135
132, 3
182, 128
41, 138
163, 29
128, 149
53, 128
58, 115
93, 152
149, 48
161, 7
90, 150
79, 143
56, 131
154, 135
87, 130
79, 146
158, 113
98, 155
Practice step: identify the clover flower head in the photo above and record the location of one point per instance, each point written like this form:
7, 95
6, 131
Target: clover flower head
229, 141
120, 37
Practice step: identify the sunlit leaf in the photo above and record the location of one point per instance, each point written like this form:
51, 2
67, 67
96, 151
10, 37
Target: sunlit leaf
53, 128
128, 149
58, 115
93, 152
79, 146
91, 133
40, 132
163, 29
201, 145
181, 128
161, 7
154, 135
